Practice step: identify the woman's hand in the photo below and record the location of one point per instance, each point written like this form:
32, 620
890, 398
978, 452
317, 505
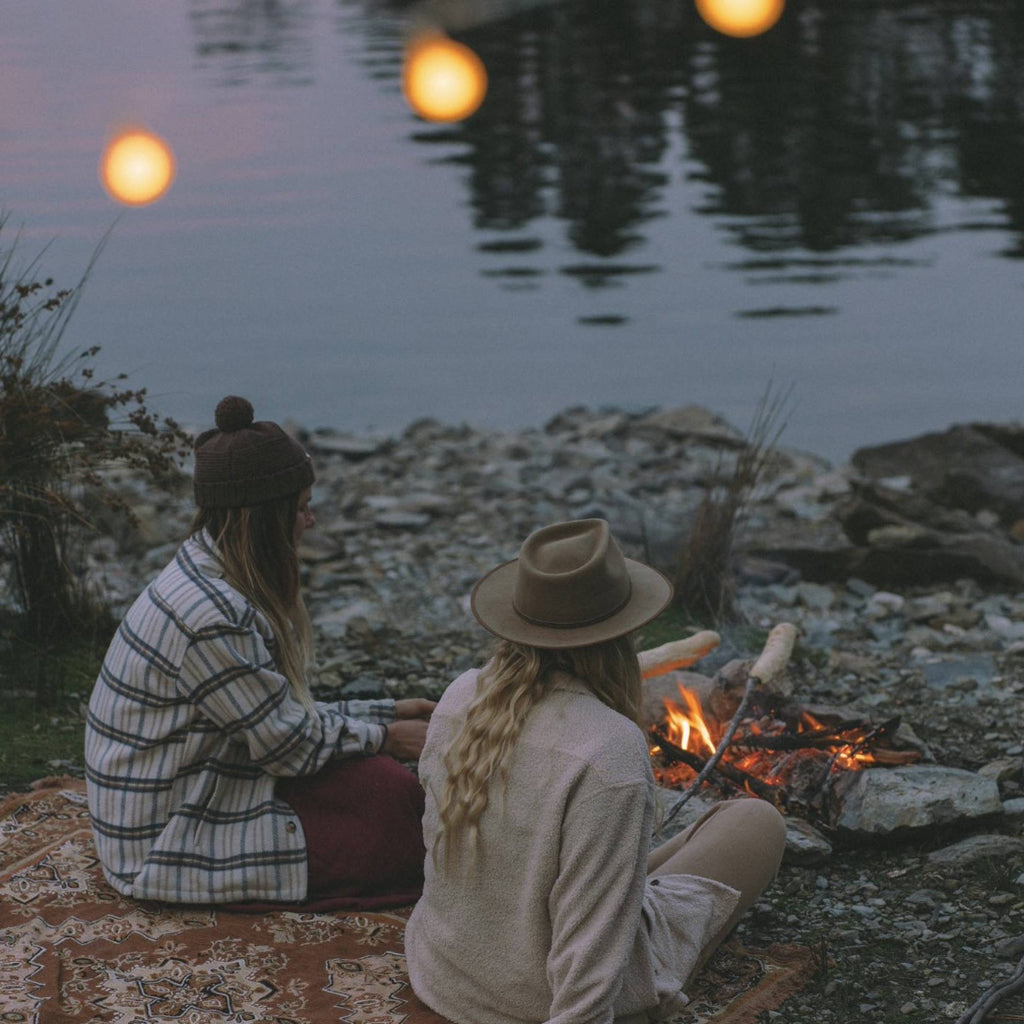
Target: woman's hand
408, 732
415, 707
405, 739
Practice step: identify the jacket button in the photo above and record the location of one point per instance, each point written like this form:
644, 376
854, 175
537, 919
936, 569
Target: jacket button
290, 827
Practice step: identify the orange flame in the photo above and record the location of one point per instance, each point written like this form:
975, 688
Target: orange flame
686, 726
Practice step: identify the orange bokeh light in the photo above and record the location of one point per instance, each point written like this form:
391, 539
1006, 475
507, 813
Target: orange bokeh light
137, 167
741, 18
442, 80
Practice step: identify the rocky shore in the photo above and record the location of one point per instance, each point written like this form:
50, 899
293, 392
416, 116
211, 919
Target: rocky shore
904, 571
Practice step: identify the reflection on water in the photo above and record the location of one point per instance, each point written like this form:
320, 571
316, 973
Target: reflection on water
837, 128
843, 126
248, 38
641, 212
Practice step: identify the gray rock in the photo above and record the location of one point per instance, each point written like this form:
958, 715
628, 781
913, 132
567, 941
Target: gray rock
815, 595
336, 623
350, 447
318, 546
883, 801
819, 551
363, 687
1002, 770
399, 520
664, 801
805, 845
975, 848
860, 587
945, 671
1003, 626
1013, 812
971, 467
909, 539
691, 422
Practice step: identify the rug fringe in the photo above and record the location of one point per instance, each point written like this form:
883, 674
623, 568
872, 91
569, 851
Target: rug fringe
41, 787
54, 782
799, 964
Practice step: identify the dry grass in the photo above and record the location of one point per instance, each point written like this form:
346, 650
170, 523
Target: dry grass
705, 581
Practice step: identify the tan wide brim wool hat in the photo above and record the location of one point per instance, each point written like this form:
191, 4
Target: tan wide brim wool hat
571, 586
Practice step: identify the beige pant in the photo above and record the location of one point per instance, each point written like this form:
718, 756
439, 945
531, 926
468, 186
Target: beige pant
738, 842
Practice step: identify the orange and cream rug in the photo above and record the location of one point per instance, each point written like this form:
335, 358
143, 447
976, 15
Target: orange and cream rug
73, 951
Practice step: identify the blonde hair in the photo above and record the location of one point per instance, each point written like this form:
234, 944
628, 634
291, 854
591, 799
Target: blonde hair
511, 683
257, 547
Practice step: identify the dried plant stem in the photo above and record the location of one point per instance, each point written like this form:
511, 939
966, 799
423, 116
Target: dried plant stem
703, 584
996, 994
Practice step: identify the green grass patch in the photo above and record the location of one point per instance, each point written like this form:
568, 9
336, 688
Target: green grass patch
34, 744
42, 690
672, 624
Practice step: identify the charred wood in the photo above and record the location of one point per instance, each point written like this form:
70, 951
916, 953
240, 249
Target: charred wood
733, 775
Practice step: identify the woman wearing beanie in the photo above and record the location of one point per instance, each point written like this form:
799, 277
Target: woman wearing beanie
542, 901
213, 776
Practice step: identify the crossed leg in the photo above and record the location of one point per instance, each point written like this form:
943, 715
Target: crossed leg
738, 842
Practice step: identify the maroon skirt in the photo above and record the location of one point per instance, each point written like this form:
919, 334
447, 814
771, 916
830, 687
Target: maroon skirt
363, 823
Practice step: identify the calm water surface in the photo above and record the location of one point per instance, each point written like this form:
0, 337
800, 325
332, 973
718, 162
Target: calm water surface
641, 213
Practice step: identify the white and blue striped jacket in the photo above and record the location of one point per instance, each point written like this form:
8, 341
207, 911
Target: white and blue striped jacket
189, 726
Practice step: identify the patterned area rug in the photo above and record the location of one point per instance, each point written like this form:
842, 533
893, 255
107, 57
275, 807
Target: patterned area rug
72, 950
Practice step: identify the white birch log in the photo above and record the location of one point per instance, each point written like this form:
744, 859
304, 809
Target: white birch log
677, 654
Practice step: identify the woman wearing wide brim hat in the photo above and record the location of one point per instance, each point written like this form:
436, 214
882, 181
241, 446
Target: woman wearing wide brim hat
542, 900
213, 775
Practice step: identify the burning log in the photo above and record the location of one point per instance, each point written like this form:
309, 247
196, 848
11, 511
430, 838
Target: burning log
818, 739
766, 743
735, 776
765, 673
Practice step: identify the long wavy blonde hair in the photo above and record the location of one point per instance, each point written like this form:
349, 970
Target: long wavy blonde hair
512, 682
257, 547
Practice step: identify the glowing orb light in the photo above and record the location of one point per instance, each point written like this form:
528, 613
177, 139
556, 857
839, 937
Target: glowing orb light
443, 80
137, 167
741, 17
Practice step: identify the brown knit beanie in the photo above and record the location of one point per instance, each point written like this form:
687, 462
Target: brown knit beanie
246, 463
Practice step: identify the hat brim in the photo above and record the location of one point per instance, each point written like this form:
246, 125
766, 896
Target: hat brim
491, 604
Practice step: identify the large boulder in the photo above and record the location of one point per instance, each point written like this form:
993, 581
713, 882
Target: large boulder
973, 467
883, 801
905, 539
820, 551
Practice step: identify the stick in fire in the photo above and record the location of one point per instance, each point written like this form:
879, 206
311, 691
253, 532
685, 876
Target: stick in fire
764, 674
737, 778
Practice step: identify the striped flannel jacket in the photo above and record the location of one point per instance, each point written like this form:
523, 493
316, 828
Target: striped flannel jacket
188, 727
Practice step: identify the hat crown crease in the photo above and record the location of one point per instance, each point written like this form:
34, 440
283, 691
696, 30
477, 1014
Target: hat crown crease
571, 577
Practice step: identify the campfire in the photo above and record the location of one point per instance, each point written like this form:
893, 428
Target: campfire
762, 743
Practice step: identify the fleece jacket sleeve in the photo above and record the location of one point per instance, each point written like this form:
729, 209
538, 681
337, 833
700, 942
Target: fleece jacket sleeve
595, 904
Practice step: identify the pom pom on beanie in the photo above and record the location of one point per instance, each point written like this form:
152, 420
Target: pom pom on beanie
233, 413
244, 461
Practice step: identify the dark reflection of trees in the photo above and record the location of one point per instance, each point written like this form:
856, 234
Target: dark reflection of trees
841, 126
844, 125
240, 39
573, 124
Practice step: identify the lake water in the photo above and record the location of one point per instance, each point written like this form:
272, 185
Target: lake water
641, 213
